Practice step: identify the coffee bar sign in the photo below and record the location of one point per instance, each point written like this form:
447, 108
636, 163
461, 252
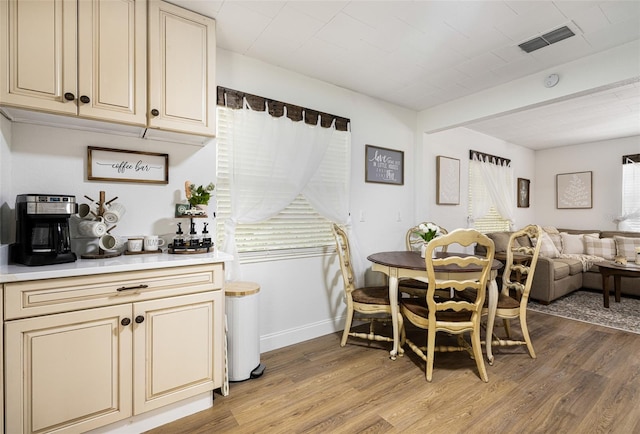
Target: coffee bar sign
104, 164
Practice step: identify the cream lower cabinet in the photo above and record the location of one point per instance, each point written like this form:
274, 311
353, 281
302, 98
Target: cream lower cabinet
79, 370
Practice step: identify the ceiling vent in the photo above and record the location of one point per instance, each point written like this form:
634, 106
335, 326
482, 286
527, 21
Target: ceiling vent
552, 37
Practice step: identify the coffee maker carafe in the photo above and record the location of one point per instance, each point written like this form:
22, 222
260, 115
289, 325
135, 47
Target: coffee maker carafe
42, 229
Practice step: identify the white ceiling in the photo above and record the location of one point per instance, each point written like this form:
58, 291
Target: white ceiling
419, 54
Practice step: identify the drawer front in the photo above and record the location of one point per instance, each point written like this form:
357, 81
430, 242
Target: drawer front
41, 297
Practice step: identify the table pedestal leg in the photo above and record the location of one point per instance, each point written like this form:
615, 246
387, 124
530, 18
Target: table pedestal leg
492, 301
393, 300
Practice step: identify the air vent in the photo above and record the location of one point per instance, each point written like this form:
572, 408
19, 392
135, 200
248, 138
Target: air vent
552, 37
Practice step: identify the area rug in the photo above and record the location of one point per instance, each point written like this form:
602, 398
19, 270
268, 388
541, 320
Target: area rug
587, 306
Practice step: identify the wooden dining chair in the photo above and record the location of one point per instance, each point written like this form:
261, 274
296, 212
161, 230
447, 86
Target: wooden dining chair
414, 242
452, 315
517, 279
371, 304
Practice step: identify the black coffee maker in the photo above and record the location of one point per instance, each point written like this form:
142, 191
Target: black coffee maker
42, 229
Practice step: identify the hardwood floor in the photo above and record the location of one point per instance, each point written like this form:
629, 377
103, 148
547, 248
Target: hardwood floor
586, 379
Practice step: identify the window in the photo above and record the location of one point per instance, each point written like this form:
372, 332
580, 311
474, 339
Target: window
630, 193
482, 209
298, 228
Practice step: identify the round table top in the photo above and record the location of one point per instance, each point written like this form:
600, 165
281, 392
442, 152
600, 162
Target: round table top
413, 260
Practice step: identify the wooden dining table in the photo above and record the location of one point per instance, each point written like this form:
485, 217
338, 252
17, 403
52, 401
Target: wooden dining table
400, 265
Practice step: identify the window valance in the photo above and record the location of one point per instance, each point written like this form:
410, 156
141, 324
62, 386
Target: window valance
628, 159
489, 158
235, 99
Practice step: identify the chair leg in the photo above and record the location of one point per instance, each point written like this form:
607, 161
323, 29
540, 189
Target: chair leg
477, 354
431, 345
525, 334
507, 327
347, 327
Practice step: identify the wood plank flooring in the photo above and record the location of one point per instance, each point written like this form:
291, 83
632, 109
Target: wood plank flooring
586, 379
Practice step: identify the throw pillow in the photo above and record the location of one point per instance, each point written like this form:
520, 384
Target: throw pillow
626, 246
500, 239
550, 230
572, 244
602, 247
547, 248
557, 241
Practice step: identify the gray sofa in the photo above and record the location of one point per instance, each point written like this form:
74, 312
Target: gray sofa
558, 276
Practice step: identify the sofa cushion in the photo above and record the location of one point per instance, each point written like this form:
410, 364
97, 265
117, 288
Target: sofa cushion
626, 246
548, 248
560, 270
603, 247
572, 244
575, 265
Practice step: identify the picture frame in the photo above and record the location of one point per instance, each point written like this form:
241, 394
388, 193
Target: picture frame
523, 192
574, 190
447, 180
120, 165
383, 165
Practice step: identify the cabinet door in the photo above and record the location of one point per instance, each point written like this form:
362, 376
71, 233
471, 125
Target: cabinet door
181, 70
68, 372
38, 54
112, 52
178, 347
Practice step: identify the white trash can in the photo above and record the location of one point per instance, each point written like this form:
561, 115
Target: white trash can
243, 337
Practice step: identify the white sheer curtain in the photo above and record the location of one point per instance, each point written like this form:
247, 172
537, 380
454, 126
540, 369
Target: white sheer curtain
630, 218
273, 160
496, 188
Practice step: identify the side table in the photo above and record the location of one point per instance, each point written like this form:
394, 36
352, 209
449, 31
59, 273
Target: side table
608, 268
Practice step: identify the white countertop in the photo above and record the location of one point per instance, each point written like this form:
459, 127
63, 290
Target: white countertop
83, 267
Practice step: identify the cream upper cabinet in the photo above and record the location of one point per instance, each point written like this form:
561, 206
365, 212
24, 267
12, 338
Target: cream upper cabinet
182, 91
93, 64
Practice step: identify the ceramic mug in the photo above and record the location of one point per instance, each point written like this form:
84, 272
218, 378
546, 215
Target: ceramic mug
135, 244
114, 213
92, 228
110, 242
153, 242
84, 212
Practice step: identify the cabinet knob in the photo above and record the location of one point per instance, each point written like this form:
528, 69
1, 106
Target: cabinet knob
84, 99
155, 112
125, 321
69, 96
139, 319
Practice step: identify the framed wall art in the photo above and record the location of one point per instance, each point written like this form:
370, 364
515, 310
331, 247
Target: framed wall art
447, 181
382, 165
573, 190
105, 164
523, 193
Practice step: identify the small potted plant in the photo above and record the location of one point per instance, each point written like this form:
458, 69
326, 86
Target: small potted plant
427, 232
199, 196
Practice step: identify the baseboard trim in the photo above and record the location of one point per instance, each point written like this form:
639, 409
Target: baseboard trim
296, 335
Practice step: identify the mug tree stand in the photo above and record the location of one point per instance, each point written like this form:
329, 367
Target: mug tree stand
102, 206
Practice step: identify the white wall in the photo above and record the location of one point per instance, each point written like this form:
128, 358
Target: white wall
604, 159
54, 160
301, 298
456, 143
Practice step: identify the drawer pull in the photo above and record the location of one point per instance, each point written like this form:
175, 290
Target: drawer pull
125, 321
129, 288
139, 319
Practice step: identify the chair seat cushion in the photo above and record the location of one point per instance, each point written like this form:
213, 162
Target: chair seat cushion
413, 283
504, 301
418, 306
371, 295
